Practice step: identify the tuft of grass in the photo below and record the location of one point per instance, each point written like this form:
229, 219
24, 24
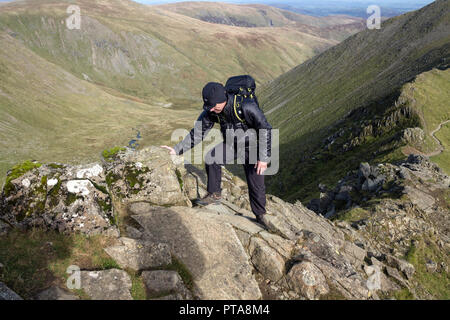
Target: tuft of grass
183, 271
109, 154
138, 291
434, 283
180, 179
403, 294
333, 294
17, 171
354, 214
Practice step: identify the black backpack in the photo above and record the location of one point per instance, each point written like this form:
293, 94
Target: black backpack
243, 89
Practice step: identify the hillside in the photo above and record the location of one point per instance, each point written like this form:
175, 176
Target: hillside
257, 15
62, 91
46, 113
152, 53
346, 104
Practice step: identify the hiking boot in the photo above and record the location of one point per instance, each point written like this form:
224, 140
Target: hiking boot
261, 219
211, 198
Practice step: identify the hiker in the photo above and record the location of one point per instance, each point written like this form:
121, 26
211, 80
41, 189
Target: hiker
234, 106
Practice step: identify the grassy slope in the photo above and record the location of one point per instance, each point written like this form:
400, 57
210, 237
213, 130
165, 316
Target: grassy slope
367, 69
49, 115
137, 58
152, 53
430, 92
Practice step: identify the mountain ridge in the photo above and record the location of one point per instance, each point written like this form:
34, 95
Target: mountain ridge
367, 70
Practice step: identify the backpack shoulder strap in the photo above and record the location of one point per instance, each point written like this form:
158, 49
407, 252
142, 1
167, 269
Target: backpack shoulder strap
239, 102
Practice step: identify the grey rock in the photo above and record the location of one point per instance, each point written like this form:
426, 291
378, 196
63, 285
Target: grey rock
420, 198
153, 170
307, 280
401, 265
395, 274
377, 280
403, 173
355, 253
163, 282
139, 254
364, 170
266, 259
431, 266
133, 232
413, 136
110, 284
56, 293
7, 294
282, 246
64, 198
210, 250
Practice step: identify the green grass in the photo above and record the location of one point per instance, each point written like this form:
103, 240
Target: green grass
18, 171
353, 215
434, 283
183, 271
138, 291
403, 294
37, 259
109, 154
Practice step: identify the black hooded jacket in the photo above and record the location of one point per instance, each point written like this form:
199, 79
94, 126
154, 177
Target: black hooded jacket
254, 119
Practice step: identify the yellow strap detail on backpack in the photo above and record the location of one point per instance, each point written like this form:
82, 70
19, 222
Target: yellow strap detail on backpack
235, 111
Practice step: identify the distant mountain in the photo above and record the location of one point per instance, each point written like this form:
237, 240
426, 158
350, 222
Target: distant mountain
346, 105
348, 7
258, 15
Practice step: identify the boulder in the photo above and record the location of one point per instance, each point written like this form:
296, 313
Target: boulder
307, 280
207, 247
56, 293
266, 259
110, 284
166, 283
7, 294
149, 175
412, 136
60, 197
401, 265
420, 198
140, 254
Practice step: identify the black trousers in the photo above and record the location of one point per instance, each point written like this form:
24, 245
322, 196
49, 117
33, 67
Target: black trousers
224, 153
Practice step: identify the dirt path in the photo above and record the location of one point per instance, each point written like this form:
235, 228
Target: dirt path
441, 147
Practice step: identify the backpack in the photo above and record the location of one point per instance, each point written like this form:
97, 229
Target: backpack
243, 88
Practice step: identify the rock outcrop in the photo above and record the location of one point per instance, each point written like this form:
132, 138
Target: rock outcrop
7, 294
215, 252
387, 210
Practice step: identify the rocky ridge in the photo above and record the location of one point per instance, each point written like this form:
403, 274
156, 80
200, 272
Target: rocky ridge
143, 199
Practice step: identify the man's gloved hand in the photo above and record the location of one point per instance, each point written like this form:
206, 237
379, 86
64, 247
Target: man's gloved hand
260, 167
171, 150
